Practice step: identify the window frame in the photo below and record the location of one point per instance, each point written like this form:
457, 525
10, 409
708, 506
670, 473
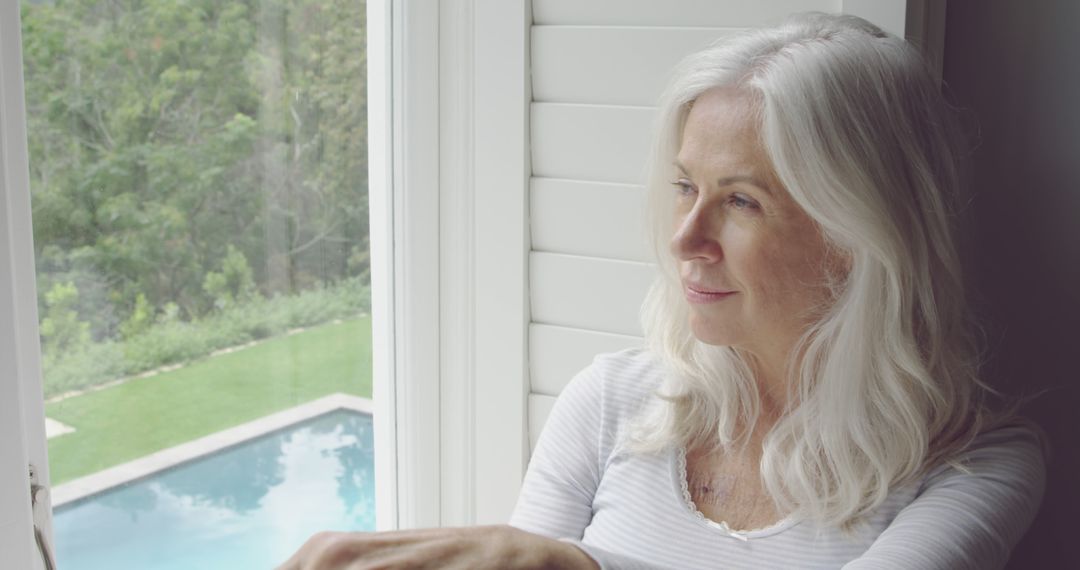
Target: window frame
22, 413
450, 407
403, 147
22, 408
453, 390
484, 241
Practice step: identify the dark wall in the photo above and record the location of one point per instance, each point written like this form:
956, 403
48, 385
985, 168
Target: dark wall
1014, 65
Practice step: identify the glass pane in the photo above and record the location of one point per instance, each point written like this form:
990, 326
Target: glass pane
199, 192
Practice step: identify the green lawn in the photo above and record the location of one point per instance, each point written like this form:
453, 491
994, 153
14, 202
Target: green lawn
140, 417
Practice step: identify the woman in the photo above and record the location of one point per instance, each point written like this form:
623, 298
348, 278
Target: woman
808, 396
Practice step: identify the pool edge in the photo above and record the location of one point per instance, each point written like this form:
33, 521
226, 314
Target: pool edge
158, 461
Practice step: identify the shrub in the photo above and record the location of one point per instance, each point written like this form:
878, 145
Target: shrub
172, 341
89, 365
61, 329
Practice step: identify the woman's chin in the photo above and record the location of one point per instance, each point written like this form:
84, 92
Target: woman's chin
712, 335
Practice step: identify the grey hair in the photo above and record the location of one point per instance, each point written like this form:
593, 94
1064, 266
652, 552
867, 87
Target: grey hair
884, 384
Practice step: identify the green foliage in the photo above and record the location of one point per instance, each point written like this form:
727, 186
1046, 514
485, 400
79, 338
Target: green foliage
233, 283
61, 329
172, 341
140, 319
170, 140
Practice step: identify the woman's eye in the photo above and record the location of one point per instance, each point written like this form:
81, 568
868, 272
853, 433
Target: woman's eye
742, 203
683, 187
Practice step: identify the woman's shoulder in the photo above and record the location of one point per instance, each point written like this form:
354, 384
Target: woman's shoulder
969, 511
629, 374
1016, 437
617, 382
1015, 450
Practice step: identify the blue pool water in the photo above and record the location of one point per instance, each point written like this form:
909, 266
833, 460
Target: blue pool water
246, 507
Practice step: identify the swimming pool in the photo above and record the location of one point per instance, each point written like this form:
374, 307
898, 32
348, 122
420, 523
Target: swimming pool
247, 506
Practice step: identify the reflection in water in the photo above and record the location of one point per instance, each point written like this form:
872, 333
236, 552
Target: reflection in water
249, 506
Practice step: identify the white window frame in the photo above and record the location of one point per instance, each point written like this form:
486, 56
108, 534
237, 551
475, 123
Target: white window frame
452, 398
403, 135
22, 409
484, 241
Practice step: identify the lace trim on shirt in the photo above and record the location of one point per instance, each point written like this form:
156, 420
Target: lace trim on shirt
688, 503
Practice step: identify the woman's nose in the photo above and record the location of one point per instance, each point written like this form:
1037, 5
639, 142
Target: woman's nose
697, 235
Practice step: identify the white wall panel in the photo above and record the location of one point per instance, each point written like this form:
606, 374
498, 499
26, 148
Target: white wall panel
590, 142
539, 409
556, 354
588, 292
596, 219
890, 15
735, 13
610, 65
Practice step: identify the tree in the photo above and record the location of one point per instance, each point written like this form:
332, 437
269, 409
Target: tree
168, 138
316, 117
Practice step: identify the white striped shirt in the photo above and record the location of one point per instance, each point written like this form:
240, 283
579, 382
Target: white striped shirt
632, 510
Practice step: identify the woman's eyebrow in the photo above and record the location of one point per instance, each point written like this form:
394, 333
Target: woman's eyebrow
729, 180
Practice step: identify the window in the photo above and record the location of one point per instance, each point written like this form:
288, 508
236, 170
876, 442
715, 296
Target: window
198, 178
448, 243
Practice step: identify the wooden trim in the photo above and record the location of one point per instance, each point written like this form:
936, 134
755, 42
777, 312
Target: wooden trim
458, 262
501, 172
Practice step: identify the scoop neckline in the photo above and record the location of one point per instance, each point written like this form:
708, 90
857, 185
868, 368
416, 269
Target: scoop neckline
682, 494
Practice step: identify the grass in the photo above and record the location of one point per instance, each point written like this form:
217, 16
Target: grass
137, 418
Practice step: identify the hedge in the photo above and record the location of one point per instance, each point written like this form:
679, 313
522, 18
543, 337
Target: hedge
177, 342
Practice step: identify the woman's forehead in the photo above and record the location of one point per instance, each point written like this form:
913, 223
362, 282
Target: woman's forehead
721, 129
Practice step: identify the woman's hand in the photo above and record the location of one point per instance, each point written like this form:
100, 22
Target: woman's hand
465, 548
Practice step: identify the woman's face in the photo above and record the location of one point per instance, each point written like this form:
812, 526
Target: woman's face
752, 263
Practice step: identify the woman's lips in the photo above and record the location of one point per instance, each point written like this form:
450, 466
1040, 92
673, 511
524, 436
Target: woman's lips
694, 295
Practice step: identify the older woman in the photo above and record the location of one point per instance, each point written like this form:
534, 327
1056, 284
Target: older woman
808, 396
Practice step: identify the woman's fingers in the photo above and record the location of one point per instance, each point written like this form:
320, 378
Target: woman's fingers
427, 548
311, 550
484, 547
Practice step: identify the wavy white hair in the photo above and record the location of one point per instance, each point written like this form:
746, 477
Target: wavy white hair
886, 385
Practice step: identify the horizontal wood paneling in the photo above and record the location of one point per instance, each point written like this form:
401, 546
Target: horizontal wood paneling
539, 410
556, 354
734, 13
590, 142
588, 292
596, 219
610, 65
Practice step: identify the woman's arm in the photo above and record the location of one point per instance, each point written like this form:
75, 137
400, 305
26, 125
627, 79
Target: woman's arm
495, 547
552, 512
967, 520
566, 465
565, 470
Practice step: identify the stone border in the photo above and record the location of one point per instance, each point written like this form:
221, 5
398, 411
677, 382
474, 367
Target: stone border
55, 428
166, 458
